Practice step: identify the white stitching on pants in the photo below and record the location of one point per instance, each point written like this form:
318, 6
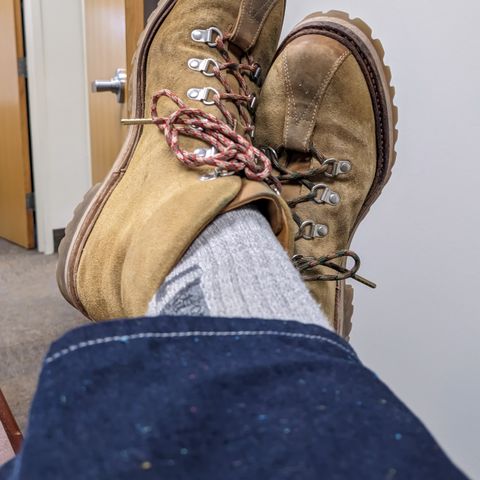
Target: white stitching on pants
147, 335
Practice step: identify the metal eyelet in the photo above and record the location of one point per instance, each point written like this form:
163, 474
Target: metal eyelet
271, 153
207, 36
206, 152
217, 173
203, 95
252, 105
204, 66
339, 167
256, 76
310, 230
327, 195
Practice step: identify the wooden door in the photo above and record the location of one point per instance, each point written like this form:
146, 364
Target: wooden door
16, 216
112, 31
105, 52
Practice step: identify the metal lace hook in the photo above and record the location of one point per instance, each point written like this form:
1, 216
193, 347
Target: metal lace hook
207, 36
338, 167
206, 66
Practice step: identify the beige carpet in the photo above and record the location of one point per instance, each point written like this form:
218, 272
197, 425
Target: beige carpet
32, 315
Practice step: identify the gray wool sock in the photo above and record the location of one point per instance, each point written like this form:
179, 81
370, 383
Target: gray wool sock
237, 268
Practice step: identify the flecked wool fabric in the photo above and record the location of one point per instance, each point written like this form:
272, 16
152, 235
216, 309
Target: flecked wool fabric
237, 268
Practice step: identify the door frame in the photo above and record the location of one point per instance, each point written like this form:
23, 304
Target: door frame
61, 166
56, 79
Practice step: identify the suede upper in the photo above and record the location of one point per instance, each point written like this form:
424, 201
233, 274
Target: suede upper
316, 99
160, 206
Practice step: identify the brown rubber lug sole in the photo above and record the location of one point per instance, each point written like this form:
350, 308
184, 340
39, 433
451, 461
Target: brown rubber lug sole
357, 36
87, 213
78, 214
348, 309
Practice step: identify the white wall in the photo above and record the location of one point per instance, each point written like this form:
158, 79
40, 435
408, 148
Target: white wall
58, 112
420, 329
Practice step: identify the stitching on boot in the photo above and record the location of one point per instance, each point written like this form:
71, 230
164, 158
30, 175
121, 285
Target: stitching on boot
290, 98
262, 23
292, 110
321, 93
250, 14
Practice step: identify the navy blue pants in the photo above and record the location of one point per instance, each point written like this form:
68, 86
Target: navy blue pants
217, 399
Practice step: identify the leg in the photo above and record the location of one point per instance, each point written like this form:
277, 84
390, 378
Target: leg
200, 397
236, 268
207, 398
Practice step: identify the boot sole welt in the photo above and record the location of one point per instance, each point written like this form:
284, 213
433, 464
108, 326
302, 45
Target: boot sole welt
88, 211
356, 35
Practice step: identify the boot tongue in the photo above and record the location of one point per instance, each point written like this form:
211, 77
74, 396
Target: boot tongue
251, 16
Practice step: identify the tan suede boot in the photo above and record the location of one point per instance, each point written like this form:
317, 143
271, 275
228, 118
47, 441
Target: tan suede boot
196, 73
327, 113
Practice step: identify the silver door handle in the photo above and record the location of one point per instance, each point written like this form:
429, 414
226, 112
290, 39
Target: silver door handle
115, 85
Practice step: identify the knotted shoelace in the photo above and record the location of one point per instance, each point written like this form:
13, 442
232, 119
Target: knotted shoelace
300, 177
235, 152
244, 98
308, 266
